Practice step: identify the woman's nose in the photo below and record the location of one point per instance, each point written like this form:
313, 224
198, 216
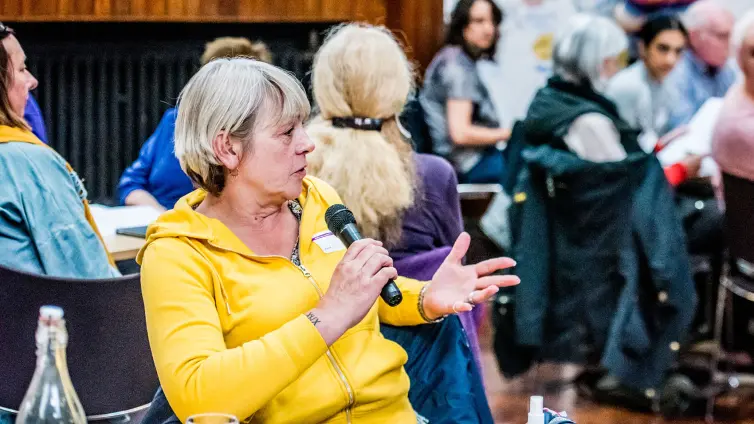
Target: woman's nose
32, 82
306, 145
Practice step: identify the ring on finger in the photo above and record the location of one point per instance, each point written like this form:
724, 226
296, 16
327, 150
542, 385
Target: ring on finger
470, 299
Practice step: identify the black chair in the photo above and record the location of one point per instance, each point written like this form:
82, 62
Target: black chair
738, 277
109, 359
412, 118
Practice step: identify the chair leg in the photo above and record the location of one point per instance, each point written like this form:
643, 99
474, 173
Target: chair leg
722, 292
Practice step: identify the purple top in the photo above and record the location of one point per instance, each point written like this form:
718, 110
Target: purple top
435, 220
430, 229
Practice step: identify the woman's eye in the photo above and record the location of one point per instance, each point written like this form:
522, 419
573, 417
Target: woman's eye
290, 131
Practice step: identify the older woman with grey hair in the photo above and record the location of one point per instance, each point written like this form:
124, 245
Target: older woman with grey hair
586, 55
253, 307
586, 193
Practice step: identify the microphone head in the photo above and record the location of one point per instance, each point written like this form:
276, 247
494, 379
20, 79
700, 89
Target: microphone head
337, 217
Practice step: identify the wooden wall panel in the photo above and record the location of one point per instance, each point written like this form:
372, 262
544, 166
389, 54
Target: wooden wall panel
192, 10
121, 7
155, 7
47, 8
417, 22
369, 11
101, 10
10, 7
82, 8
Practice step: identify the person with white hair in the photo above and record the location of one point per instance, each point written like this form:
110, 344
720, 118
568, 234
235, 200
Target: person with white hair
586, 193
253, 307
587, 54
704, 71
733, 139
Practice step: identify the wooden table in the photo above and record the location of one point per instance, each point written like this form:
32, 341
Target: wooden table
123, 247
109, 219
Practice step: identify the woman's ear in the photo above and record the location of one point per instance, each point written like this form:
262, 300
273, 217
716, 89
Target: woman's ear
642, 49
227, 150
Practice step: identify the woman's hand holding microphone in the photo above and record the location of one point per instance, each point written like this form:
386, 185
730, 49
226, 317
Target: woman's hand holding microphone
354, 288
366, 267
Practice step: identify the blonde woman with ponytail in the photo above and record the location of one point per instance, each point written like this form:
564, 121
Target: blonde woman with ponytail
361, 82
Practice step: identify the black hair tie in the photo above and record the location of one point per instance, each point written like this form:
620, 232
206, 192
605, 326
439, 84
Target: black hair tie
358, 123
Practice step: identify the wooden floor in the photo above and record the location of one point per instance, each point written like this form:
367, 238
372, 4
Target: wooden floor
509, 400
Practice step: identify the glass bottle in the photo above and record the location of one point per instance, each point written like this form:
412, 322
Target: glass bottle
50, 397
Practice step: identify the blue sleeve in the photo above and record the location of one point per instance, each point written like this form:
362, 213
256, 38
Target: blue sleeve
33, 117
136, 176
53, 213
685, 106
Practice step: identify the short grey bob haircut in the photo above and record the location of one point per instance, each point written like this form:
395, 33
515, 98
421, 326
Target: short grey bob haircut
583, 46
238, 96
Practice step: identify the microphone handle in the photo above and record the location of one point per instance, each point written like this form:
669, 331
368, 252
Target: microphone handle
390, 293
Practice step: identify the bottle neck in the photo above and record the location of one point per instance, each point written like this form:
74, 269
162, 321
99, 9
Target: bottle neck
52, 340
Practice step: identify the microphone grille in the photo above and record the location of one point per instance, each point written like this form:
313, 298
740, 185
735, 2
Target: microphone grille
337, 217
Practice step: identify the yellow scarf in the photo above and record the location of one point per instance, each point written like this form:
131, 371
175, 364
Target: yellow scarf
12, 134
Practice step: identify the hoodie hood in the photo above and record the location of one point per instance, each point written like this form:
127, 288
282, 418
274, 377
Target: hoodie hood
185, 222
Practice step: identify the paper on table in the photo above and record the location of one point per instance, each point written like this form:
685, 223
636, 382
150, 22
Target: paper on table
698, 139
109, 219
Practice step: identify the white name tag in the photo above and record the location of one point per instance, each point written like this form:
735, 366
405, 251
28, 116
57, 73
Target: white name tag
328, 242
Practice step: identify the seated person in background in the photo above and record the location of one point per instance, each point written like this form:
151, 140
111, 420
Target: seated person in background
703, 71
461, 116
643, 96
45, 223
733, 139
248, 313
586, 264
409, 201
631, 15
584, 73
33, 117
155, 178
645, 100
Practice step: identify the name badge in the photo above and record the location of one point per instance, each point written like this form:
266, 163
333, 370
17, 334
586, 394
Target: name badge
327, 241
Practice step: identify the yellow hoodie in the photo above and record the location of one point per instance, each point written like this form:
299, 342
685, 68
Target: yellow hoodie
18, 135
228, 333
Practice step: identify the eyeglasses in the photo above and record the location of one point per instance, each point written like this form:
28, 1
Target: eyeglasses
5, 31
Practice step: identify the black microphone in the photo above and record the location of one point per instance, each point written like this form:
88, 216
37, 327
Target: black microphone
342, 223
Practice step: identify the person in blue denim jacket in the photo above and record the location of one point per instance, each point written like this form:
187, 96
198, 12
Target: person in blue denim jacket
45, 223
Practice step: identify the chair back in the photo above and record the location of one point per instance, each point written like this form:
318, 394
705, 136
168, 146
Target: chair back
739, 222
412, 118
109, 359
475, 198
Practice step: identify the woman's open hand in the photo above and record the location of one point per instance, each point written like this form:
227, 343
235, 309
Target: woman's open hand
457, 288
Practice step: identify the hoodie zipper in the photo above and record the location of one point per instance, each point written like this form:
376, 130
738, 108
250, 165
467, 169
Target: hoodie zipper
334, 363
329, 354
